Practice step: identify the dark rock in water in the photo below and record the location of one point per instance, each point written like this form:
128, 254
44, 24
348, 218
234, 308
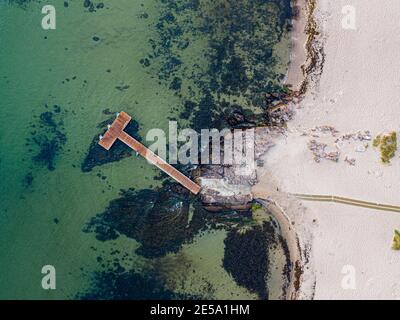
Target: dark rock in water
47, 118
122, 87
176, 84
108, 111
56, 108
96, 38
143, 15
237, 117
145, 62
246, 257
87, 3
98, 156
158, 219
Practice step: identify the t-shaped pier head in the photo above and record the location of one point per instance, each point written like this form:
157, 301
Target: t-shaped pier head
115, 130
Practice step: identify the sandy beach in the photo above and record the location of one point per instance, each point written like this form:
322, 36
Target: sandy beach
351, 102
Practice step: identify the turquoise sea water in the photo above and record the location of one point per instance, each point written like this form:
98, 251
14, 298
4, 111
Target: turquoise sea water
158, 61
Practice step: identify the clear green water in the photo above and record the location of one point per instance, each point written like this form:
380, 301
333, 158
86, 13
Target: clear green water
42, 223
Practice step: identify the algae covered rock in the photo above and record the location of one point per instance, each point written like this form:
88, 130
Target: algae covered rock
160, 220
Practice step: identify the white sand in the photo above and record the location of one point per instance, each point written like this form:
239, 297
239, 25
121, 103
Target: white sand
359, 90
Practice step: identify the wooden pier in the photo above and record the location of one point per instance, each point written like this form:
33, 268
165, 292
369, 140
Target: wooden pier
116, 131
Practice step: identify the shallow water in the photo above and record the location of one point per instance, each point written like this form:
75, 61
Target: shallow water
47, 203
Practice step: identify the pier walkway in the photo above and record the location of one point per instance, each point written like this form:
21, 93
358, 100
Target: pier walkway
116, 131
348, 201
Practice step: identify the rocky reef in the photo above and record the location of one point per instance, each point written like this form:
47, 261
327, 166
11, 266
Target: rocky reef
161, 220
238, 76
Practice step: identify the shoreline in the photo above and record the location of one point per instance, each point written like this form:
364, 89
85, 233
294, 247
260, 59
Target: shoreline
307, 52
301, 66
335, 237
292, 241
298, 54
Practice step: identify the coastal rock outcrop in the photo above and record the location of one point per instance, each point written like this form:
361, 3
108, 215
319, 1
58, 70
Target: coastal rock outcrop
228, 187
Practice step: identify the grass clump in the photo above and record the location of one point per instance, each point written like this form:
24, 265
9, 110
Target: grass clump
255, 207
396, 240
387, 144
377, 141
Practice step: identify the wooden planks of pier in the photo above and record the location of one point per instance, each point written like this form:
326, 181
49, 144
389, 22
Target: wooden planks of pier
116, 131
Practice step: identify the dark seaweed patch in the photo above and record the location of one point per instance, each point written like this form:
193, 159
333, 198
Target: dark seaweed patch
158, 219
246, 257
241, 61
91, 6
122, 87
28, 180
21, 3
118, 284
126, 286
47, 137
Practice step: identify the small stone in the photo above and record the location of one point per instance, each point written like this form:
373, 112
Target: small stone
86, 3
361, 148
350, 161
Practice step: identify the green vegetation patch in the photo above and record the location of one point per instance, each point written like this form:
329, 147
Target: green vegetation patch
396, 240
387, 144
255, 207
